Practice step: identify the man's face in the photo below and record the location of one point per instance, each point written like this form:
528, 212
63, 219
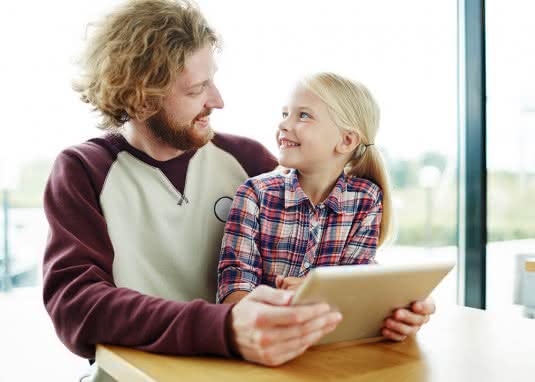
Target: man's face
183, 122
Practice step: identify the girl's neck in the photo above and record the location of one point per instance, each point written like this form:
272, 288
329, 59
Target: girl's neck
318, 184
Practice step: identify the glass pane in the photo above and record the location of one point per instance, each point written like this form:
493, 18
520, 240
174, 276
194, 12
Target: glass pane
409, 63
405, 52
41, 115
511, 158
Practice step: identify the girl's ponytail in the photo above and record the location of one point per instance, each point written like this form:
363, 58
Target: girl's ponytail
353, 108
368, 163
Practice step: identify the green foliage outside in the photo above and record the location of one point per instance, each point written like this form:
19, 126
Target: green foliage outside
511, 206
510, 203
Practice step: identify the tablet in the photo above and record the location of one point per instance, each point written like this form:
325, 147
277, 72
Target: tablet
367, 294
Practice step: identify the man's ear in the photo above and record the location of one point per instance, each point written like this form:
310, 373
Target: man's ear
146, 110
349, 141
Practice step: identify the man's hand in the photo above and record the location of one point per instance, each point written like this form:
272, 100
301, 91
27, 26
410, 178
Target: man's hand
405, 322
265, 330
288, 283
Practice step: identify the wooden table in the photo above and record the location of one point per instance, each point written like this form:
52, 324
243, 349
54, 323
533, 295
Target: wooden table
458, 344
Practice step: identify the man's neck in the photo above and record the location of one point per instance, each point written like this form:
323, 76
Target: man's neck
138, 136
319, 183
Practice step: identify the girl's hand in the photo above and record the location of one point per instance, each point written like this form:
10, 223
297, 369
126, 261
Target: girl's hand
288, 283
407, 322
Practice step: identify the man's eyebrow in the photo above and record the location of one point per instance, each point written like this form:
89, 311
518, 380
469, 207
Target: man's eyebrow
202, 83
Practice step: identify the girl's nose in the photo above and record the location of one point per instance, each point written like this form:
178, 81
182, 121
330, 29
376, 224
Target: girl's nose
284, 125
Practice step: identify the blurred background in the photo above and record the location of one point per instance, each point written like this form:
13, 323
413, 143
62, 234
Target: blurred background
406, 52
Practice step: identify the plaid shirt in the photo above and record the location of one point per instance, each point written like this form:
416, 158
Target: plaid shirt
273, 229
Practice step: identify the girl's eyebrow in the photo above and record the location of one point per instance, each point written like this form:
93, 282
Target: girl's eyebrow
306, 108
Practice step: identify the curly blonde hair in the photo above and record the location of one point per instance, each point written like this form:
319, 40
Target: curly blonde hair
135, 54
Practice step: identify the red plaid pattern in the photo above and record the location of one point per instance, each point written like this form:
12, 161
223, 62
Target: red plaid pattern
273, 229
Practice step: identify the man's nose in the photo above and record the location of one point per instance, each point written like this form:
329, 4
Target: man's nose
214, 100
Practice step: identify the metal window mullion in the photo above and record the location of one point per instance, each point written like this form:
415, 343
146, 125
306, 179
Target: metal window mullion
472, 154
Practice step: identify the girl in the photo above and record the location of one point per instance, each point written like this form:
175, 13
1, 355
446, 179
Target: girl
332, 208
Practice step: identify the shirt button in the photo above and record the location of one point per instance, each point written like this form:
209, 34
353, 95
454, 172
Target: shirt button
314, 223
307, 264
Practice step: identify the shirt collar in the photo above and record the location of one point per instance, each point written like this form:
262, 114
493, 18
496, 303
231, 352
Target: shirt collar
294, 194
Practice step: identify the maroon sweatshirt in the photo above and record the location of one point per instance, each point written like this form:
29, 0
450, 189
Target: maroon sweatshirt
134, 243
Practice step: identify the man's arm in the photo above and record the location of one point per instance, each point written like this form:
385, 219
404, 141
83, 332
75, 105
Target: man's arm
79, 291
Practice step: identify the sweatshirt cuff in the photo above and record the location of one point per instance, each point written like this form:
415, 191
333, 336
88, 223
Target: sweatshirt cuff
213, 336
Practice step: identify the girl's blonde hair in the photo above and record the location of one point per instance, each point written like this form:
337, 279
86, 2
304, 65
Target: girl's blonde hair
353, 108
135, 54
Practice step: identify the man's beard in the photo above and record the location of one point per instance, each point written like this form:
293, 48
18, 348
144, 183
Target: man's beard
180, 136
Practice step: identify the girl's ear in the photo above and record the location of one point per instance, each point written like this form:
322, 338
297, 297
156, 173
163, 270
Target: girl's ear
349, 141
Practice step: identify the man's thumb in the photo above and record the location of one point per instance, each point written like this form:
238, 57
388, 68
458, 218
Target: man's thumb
271, 296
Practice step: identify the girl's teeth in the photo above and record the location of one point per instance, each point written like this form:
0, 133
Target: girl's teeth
285, 143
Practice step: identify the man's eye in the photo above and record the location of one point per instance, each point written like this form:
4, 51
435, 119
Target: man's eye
304, 115
198, 91
284, 114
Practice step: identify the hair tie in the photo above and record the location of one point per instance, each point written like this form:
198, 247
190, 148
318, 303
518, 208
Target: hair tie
359, 152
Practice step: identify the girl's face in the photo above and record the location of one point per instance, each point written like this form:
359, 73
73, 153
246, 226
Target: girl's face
307, 136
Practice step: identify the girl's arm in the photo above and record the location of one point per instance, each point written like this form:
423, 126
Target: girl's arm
235, 297
240, 263
364, 236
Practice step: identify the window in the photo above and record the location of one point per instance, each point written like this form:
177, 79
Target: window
410, 65
404, 51
510, 154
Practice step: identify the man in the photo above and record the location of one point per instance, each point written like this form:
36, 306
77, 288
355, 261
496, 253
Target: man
136, 217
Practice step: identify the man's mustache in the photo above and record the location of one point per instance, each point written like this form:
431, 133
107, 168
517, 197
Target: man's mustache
204, 114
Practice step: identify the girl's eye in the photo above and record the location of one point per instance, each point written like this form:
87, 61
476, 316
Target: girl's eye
304, 115
284, 114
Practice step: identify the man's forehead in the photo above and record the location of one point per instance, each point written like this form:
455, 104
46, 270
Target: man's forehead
198, 67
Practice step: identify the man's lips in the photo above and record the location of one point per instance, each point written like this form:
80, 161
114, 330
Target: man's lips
202, 122
203, 115
203, 119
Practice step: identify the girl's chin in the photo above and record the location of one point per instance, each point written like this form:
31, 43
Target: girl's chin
286, 163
